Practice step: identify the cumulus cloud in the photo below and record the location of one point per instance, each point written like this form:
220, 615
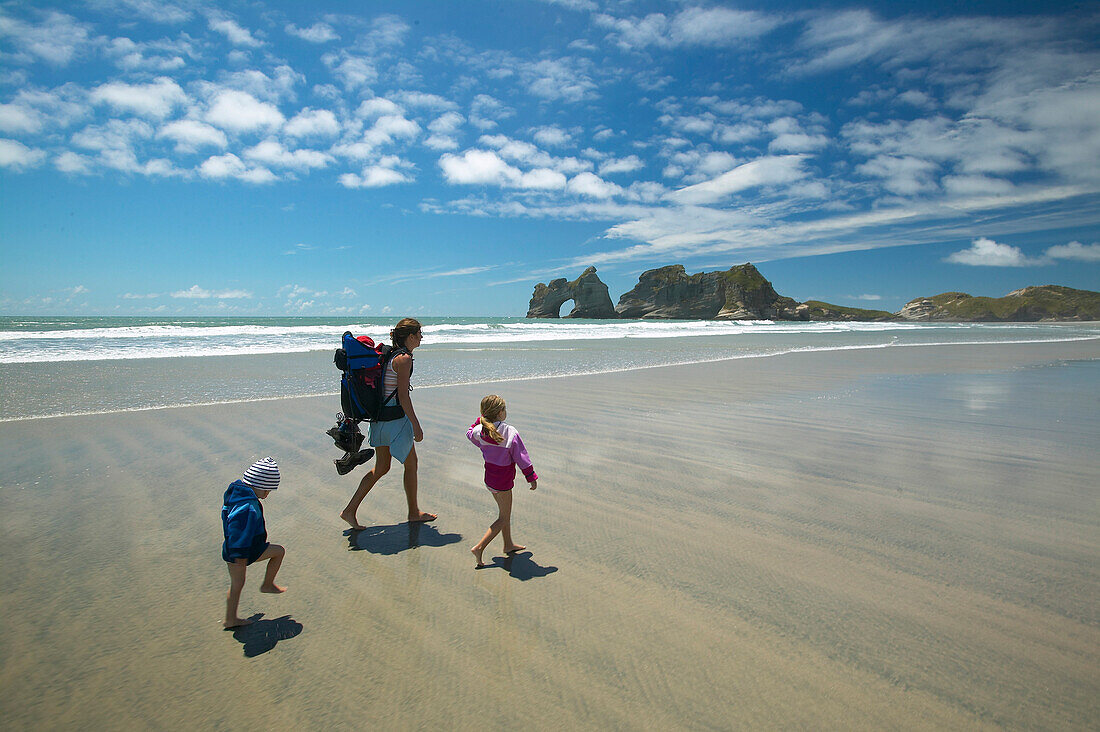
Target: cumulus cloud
443, 129
1075, 251
423, 100
316, 33
17, 156
552, 136
621, 165
272, 152
313, 123
354, 72
486, 112
377, 107
72, 163
592, 186
484, 167
694, 26
239, 111
385, 173
767, 171
198, 293
985, 252
156, 99
230, 166
236, 34
57, 39
18, 118
191, 134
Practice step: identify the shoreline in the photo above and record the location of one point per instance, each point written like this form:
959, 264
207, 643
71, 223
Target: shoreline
334, 393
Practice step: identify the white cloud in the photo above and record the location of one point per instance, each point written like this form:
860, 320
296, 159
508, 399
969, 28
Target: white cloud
477, 167
976, 185
374, 176
16, 155
696, 26
378, 107
150, 56
198, 293
592, 186
988, 253
237, 35
158, 11
905, 175
191, 134
70, 162
313, 123
239, 111
156, 99
443, 130
486, 112
230, 166
423, 100
767, 171
621, 165
316, 33
1076, 251
18, 118
552, 136
272, 152
56, 40
355, 72
559, 80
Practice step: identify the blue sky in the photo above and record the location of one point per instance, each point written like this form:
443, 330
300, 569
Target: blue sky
439, 158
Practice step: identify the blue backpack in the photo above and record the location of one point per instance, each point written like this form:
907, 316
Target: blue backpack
361, 387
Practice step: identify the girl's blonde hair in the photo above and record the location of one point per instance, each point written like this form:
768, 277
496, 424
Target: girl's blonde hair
492, 410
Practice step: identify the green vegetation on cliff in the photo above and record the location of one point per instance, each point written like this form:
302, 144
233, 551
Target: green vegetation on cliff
822, 309
1048, 302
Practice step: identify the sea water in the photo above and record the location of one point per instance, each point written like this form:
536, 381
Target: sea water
57, 366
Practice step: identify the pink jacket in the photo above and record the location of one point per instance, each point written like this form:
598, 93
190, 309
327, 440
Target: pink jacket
501, 460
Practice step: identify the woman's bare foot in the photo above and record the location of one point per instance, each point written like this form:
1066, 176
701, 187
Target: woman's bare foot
272, 588
235, 623
423, 518
477, 557
352, 521
514, 548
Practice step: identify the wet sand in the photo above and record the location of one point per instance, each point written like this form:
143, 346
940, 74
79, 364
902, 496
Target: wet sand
905, 537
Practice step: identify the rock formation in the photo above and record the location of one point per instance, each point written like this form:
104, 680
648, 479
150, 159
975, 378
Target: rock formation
741, 293
589, 295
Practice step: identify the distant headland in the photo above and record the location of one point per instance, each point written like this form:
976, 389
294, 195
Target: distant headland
742, 293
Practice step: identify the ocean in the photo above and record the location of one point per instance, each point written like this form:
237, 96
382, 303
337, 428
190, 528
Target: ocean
76, 365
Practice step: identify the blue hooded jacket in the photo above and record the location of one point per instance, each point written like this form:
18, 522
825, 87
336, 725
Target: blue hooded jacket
242, 523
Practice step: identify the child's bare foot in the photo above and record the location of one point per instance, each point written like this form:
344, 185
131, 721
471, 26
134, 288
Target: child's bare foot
272, 588
514, 548
477, 557
235, 623
423, 518
350, 518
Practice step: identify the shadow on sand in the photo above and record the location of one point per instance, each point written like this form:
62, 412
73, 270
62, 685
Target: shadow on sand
397, 538
520, 566
262, 635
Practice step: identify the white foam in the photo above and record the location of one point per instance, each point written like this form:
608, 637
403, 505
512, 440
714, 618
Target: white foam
593, 372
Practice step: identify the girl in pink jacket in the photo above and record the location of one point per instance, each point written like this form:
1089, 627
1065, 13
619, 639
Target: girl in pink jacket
503, 450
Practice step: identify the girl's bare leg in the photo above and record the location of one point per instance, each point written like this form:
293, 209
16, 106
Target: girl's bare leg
381, 467
233, 598
415, 514
274, 555
502, 524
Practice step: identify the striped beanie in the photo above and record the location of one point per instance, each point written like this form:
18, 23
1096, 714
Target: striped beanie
263, 475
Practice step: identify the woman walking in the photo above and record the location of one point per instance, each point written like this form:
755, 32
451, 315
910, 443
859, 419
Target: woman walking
395, 438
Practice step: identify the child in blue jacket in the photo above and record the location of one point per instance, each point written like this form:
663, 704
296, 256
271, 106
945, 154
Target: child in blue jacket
246, 534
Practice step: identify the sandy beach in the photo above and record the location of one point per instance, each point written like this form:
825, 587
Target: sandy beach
883, 538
